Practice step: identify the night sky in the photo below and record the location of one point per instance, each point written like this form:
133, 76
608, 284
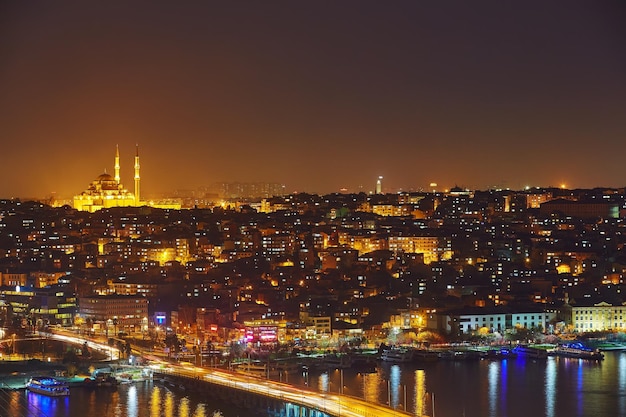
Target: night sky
318, 95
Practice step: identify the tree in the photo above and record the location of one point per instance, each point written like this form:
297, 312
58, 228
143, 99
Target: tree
520, 334
236, 350
85, 352
171, 341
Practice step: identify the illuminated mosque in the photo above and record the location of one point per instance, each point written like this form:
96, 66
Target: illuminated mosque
107, 191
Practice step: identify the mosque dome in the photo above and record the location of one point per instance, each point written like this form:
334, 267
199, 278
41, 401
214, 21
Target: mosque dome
105, 182
104, 177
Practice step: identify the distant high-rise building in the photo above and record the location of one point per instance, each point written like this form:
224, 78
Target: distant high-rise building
247, 190
379, 185
137, 199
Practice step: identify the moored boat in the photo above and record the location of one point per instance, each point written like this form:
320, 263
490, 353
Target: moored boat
337, 361
397, 355
578, 351
258, 369
51, 387
446, 355
530, 352
502, 353
425, 355
287, 366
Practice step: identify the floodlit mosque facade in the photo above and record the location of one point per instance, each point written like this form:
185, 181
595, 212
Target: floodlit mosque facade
107, 191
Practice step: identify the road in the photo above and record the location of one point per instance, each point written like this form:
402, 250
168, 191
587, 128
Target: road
112, 353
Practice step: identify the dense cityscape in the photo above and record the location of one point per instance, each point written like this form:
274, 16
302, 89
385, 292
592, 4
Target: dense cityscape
325, 271
312, 209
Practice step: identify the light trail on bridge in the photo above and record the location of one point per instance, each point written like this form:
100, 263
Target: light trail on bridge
111, 352
333, 404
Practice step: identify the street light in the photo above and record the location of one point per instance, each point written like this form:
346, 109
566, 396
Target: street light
341, 381
144, 327
306, 377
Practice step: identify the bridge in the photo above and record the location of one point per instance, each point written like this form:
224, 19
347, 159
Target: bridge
258, 393
111, 353
279, 399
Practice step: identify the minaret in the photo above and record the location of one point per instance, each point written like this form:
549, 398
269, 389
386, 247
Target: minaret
117, 164
137, 199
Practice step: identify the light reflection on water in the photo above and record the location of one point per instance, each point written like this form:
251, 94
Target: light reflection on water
174, 405
323, 384
420, 392
169, 404
621, 381
550, 388
557, 387
183, 408
42, 405
493, 376
371, 388
137, 400
132, 401
155, 402
395, 384
504, 381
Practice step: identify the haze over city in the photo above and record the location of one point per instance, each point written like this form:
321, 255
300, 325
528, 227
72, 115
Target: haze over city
322, 96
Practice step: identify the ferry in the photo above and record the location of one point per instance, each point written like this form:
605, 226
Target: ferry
530, 352
578, 351
48, 386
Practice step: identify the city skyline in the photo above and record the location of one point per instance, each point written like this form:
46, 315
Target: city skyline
320, 97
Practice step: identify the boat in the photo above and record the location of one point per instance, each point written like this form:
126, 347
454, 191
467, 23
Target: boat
287, 366
578, 351
530, 352
471, 355
425, 355
397, 355
258, 369
446, 355
100, 380
502, 353
337, 361
51, 387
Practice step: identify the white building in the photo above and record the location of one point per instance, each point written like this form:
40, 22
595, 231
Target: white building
496, 319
